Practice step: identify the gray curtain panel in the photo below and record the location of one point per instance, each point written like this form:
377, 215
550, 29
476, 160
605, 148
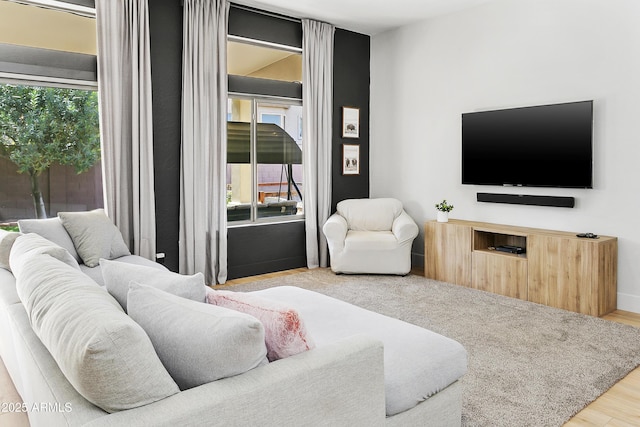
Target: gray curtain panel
126, 128
203, 227
317, 87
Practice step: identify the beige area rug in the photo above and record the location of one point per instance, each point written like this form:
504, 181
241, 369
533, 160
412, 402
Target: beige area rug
529, 365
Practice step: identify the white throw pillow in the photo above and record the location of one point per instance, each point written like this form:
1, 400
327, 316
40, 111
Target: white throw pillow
198, 343
103, 353
118, 276
51, 229
31, 244
7, 238
94, 236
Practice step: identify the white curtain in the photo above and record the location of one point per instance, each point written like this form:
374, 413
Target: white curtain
126, 128
203, 234
317, 89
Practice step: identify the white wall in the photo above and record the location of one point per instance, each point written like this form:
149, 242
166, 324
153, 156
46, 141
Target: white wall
512, 53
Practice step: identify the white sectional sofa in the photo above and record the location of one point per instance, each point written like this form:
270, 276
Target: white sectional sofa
366, 369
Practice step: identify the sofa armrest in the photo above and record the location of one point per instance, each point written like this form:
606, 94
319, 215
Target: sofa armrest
336, 384
404, 228
335, 230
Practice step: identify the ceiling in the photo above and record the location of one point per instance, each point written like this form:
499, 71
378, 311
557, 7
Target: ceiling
363, 16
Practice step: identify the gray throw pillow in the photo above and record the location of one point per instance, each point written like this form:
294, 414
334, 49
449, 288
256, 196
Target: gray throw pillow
51, 229
6, 243
94, 236
197, 342
103, 353
30, 244
118, 275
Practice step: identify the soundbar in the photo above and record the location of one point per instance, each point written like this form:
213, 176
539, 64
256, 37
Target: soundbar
527, 199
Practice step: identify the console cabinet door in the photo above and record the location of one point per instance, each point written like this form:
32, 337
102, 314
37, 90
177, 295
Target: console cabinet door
501, 274
447, 252
561, 273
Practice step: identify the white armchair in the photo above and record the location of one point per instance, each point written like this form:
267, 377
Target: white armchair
370, 236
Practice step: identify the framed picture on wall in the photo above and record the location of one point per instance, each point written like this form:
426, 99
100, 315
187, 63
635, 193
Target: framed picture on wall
350, 159
350, 122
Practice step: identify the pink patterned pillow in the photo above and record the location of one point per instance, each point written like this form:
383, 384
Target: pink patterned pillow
285, 333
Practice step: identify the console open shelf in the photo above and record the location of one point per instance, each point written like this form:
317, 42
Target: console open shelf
487, 241
557, 268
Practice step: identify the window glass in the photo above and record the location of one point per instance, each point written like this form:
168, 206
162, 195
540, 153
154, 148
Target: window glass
275, 147
49, 151
279, 159
252, 60
239, 170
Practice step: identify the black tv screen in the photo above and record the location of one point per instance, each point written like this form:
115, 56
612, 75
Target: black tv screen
542, 146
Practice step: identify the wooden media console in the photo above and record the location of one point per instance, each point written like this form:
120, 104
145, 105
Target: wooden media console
557, 268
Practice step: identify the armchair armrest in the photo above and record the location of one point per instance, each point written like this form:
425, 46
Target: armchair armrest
335, 230
336, 384
404, 228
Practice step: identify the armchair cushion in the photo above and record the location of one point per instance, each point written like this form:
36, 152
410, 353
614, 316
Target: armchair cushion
370, 214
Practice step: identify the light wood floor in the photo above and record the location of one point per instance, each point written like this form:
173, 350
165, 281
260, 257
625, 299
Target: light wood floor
618, 407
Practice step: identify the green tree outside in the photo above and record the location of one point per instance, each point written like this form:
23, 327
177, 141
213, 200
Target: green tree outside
40, 126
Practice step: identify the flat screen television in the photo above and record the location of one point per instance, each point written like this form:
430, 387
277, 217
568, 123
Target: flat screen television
541, 146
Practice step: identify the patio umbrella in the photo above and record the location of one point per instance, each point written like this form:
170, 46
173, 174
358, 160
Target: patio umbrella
273, 146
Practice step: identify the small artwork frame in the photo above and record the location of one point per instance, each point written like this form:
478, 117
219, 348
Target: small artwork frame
350, 159
350, 122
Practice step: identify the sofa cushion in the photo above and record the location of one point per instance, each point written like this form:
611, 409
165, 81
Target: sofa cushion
118, 276
51, 229
31, 244
96, 272
94, 236
197, 343
417, 362
103, 353
370, 214
7, 238
285, 332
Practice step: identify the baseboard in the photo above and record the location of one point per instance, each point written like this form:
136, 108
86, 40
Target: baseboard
629, 302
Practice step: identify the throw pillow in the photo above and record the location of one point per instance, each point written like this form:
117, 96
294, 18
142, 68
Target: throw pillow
285, 331
31, 244
94, 236
51, 229
7, 238
197, 343
104, 354
118, 275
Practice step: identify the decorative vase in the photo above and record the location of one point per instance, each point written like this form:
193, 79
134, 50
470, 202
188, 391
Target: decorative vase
443, 216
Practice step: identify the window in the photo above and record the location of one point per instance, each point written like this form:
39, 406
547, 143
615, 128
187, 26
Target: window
264, 160
264, 134
49, 134
49, 151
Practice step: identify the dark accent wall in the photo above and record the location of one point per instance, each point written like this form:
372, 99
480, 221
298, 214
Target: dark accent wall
351, 77
252, 24
165, 27
261, 248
